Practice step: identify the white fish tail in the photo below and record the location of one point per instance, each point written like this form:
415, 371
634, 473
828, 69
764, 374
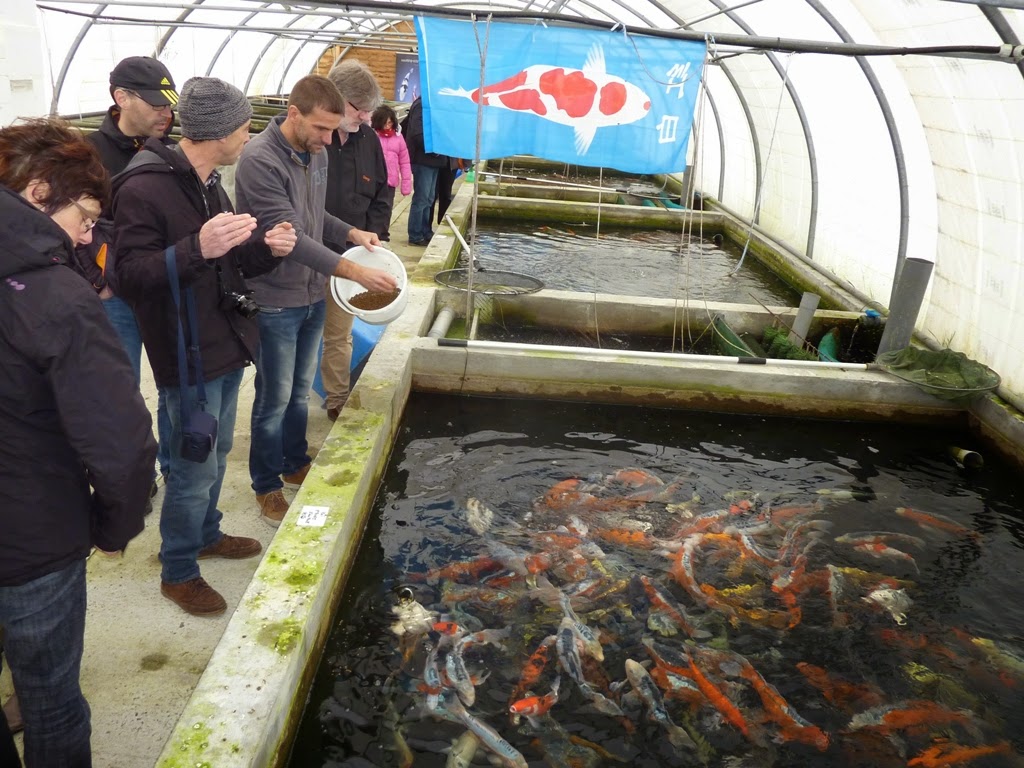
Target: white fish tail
455, 92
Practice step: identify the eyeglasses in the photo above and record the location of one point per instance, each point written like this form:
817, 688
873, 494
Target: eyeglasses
88, 222
360, 111
154, 107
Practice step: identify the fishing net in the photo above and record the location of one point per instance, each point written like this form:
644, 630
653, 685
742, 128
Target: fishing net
944, 373
778, 346
489, 282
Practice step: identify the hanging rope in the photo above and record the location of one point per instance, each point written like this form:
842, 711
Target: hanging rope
597, 236
767, 157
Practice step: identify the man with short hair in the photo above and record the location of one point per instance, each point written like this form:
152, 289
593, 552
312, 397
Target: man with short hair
169, 202
282, 176
144, 99
357, 192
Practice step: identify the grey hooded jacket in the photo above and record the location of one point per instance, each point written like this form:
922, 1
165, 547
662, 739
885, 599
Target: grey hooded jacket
274, 185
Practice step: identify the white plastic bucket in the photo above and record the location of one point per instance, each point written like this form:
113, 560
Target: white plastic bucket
343, 289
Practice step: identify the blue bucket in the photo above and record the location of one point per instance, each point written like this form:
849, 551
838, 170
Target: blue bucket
364, 339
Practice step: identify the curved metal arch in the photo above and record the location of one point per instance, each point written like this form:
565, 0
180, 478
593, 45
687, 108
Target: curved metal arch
804, 125
298, 50
894, 136
62, 75
258, 59
183, 16
721, 142
228, 38
1002, 27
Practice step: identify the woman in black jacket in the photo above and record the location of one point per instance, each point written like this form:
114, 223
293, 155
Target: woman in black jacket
74, 472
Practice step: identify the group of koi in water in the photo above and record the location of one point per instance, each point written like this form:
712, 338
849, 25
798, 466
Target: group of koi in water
673, 631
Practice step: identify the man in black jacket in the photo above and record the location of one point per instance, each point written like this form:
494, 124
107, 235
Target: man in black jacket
357, 192
425, 169
144, 99
74, 471
171, 201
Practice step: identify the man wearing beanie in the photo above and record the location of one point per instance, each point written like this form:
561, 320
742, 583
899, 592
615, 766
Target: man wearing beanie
170, 200
282, 176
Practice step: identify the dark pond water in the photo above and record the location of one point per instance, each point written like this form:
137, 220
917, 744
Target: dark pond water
653, 263
756, 567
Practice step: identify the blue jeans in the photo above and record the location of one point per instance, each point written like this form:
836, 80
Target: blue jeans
190, 519
123, 320
44, 633
424, 190
285, 367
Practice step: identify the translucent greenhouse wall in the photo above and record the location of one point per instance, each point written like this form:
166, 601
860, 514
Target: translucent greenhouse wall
853, 162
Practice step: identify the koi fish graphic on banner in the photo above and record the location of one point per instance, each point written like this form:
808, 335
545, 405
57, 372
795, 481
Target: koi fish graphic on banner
578, 96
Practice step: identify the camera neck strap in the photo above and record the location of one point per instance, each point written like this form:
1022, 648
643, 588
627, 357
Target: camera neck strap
193, 327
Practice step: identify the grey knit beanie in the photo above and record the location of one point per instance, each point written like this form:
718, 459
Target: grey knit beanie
209, 108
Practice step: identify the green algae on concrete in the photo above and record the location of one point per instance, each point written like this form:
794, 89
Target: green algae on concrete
280, 636
188, 750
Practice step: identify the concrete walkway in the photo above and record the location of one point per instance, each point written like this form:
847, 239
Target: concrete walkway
143, 654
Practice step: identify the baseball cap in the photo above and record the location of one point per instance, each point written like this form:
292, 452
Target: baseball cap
148, 77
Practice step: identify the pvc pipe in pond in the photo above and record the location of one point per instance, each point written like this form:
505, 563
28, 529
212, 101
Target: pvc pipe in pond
965, 457
906, 305
676, 356
804, 315
442, 323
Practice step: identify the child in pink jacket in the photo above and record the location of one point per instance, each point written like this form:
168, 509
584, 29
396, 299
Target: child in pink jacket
396, 154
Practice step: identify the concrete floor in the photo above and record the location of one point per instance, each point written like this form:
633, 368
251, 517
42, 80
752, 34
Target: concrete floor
144, 655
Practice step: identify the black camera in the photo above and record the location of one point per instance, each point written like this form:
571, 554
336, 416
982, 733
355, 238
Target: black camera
199, 436
241, 303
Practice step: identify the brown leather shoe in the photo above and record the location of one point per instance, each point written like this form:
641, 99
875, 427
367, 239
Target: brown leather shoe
273, 507
296, 478
333, 413
195, 597
12, 711
232, 548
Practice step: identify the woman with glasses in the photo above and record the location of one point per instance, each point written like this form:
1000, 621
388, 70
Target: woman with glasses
74, 472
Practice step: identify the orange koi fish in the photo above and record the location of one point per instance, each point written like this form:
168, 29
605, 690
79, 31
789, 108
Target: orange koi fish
944, 753
914, 715
792, 726
717, 699
534, 666
532, 707
932, 521
464, 570
842, 693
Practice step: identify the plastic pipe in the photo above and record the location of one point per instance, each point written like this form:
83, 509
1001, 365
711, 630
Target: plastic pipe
676, 356
804, 316
907, 301
442, 323
966, 458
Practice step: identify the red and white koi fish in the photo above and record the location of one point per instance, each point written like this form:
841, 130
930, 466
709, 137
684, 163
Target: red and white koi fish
583, 99
533, 707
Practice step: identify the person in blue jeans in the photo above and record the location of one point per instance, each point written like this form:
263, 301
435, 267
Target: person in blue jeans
74, 472
172, 215
425, 169
282, 176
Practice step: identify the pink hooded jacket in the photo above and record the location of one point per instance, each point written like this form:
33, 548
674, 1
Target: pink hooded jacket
396, 155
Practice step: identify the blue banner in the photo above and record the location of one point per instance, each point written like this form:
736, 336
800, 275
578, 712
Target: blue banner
586, 97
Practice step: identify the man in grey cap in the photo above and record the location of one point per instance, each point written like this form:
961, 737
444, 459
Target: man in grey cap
169, 201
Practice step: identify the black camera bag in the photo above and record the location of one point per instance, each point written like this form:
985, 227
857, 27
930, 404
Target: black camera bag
199, 428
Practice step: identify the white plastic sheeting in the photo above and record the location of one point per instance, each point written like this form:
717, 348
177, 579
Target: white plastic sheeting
858, 162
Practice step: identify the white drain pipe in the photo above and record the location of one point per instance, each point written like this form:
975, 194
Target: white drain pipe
502, 346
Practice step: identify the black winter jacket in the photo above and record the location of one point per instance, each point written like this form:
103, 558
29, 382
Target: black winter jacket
412, 129
61, 368
116, 151
357, 183
159, 201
